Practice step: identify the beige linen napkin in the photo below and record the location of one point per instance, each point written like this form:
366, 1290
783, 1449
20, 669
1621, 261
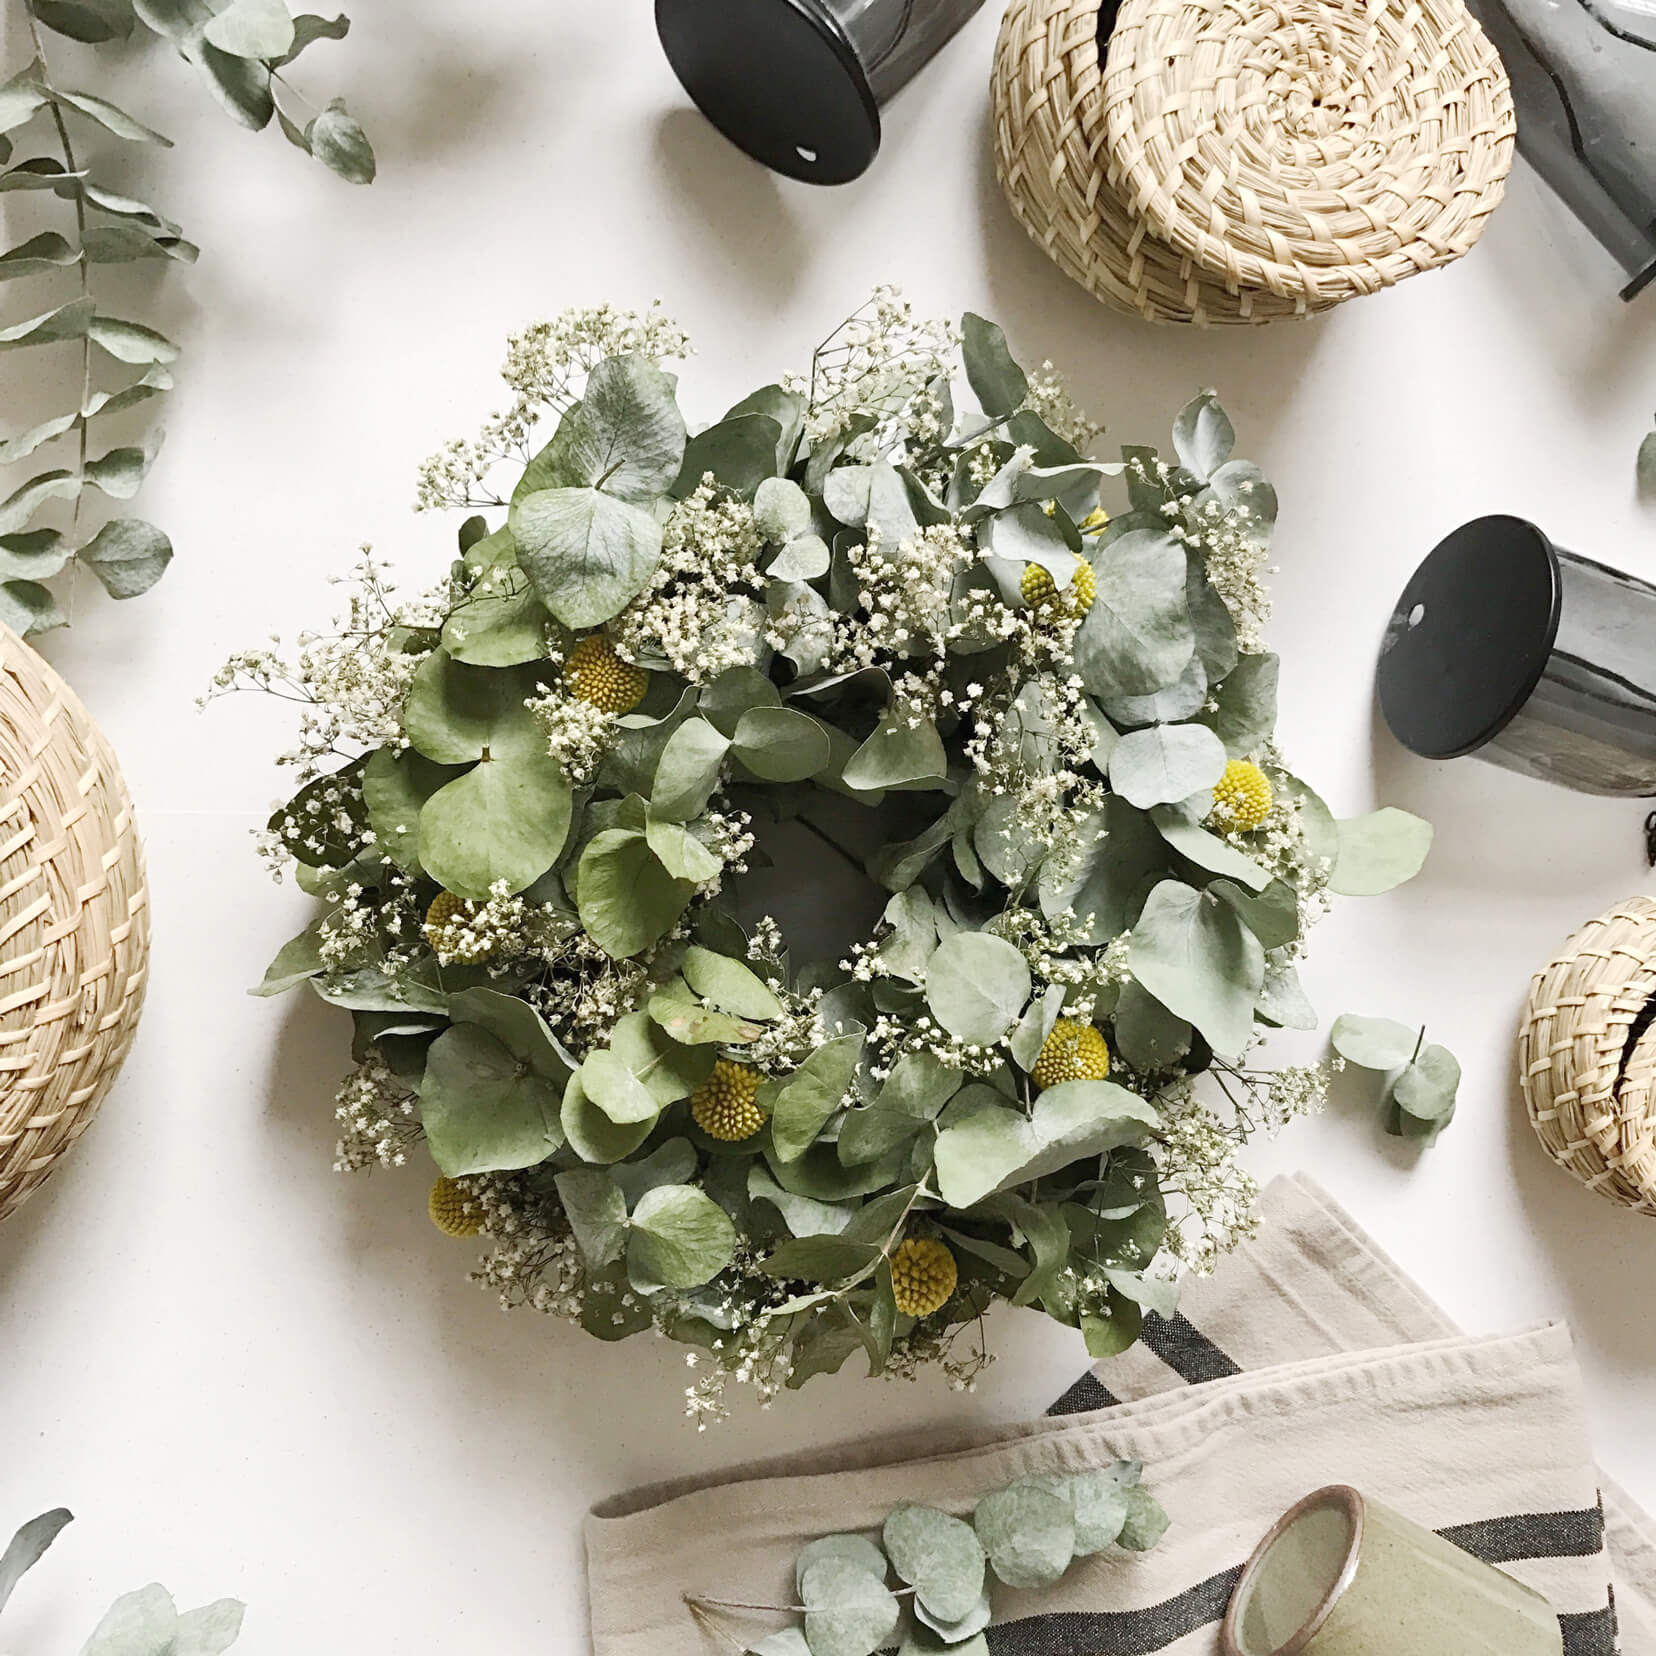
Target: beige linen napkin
1306, 1359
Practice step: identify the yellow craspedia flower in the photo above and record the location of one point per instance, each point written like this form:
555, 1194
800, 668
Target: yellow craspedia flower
448, 930
923, 1276
1072, 1052
1095, 520
596, 674
450, 1209
725, 1105
1039, 589
1242, 799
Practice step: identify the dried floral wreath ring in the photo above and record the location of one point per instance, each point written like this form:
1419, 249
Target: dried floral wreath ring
1031, 1081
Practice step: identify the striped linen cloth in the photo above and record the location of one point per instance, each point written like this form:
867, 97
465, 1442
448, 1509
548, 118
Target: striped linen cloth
1308, 1358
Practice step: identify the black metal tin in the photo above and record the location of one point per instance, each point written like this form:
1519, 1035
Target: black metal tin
799, 84
1529, 656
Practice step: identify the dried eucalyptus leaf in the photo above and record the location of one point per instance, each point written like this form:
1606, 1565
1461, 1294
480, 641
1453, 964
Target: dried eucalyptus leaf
849, 1611
28, 1546
144, 1623
1373, 1043
856, 1550
128, 556
340, 144
939, 1556
977, 986
1028, 1533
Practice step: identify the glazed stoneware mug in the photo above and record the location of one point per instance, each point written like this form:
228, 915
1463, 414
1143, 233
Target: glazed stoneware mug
1340, 1575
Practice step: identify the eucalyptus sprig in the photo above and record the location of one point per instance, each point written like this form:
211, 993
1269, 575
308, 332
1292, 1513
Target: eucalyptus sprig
127, 554
1026, 1536
144, 1623
243, 51
1422, 1077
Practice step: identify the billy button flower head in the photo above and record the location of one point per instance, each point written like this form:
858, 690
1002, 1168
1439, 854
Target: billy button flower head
597, 675
452, 1211
448, 929
1039, 589
923, 1276
1072, 1052
1242, 799
725, 1105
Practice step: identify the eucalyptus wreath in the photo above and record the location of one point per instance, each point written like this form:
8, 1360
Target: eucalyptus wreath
243, 50
884, 596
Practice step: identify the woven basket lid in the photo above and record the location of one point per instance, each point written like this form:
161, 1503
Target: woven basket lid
1587, 1055
1239, 160
74, 920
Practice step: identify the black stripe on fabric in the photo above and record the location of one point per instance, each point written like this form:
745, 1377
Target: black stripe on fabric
1087, 1393
1115, 1632
1590, 1634
1186, 1350
1531, 1535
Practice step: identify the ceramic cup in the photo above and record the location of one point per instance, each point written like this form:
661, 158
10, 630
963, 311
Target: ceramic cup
1340, 1575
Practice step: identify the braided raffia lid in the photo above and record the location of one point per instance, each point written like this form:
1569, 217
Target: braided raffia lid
74, 920
1587, 1055
1237, 161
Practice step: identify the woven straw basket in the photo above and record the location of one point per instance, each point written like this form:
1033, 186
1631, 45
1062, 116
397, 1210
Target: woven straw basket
1242, 160
1587, 1055
74, 921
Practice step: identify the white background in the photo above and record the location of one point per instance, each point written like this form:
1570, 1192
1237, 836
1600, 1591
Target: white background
249, 1375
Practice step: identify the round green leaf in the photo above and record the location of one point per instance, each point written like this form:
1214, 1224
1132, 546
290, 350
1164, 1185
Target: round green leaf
591, 1133
1373, 1043
1426, 1088
729, 985
688, 771
482, 1108
849, 1611
1138, 635
597, 1212
1379, 851
1099, 1501
340, 144
616, 1090
897, 754
626, 899
680, 1238
505, 820
1191, 950
854, 1549
781, 510
937, 1555
587, 553
976, 986
669, 1070
1165, 764
1028, 1533
780, 744
1146, 1521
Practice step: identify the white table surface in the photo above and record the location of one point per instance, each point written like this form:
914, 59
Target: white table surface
249, 1375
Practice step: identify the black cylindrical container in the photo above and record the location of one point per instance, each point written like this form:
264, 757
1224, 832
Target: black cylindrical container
798, 84
1511, 648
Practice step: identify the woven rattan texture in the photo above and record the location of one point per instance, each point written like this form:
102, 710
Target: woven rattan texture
74, 921
1587, 1055
1243, 160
